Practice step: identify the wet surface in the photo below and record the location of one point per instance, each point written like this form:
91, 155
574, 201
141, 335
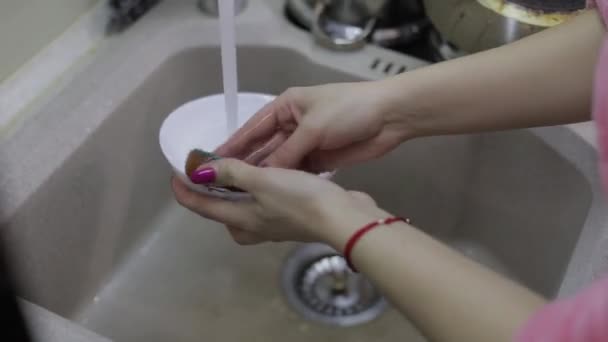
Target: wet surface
189, 282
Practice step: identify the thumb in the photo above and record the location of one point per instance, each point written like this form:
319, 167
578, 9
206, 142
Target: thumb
228, 172
291, 153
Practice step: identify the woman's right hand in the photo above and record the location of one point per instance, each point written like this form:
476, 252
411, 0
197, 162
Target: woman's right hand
287, 205
319, 128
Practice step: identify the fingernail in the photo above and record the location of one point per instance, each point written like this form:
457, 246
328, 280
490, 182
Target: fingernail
203, 176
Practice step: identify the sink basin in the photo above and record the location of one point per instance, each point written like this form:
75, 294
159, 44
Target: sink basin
98, 239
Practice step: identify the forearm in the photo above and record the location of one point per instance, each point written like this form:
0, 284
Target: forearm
447, 296
544, 79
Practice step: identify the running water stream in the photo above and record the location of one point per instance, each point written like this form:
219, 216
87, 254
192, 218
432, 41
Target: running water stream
229, 69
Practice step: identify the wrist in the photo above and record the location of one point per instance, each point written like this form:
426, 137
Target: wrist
339, 228
406, 106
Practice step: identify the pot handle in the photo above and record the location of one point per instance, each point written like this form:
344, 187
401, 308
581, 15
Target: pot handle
338, 43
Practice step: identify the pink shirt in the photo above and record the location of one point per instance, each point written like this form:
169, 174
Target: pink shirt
584, 317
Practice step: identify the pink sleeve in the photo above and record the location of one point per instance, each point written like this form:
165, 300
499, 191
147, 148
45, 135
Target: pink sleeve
582, 318
602, 6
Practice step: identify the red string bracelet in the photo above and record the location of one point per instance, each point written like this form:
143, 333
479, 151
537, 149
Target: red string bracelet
350, 244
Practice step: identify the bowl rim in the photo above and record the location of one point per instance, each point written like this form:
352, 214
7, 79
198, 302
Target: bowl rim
202, 188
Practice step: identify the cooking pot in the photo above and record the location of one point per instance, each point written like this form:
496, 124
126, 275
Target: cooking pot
349, 24
476, 25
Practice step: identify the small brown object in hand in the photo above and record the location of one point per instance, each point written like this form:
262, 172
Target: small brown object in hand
197, 157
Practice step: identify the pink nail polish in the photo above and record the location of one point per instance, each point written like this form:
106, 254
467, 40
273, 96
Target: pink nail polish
203, 176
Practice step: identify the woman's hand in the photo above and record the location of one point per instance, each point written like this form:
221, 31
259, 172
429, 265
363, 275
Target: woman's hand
288, 205
319, 128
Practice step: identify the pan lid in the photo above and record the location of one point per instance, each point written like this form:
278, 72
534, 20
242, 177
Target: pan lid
551, 6
536, 12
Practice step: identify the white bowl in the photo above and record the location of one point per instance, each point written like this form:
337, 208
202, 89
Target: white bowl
202, 124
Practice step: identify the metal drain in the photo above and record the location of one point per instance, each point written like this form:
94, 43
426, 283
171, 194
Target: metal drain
319, 285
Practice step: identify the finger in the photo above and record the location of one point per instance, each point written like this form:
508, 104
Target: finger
231, 173
354, 153
232, 213
245, 238
264, 150
291, 153
263, 125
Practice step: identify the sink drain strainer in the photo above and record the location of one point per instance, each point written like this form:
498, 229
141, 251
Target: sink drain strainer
319, 285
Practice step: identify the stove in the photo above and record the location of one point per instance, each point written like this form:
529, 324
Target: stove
411, 34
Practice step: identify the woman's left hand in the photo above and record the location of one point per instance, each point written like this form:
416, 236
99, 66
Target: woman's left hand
287, 205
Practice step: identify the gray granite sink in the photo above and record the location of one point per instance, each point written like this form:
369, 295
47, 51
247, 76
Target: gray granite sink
99, 241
